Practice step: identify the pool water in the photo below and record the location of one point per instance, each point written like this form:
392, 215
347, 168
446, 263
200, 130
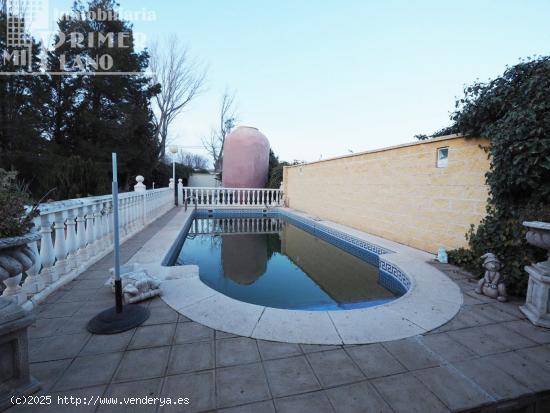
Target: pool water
270, 262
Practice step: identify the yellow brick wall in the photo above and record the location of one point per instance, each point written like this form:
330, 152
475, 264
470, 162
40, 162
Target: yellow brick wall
398, 193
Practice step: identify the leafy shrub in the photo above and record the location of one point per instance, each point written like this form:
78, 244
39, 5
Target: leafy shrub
14, 219
513, 111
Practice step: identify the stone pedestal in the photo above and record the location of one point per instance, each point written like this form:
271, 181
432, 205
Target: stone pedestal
536, 307
537, 301
15, 378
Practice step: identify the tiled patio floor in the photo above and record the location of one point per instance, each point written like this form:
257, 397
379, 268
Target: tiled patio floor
487, 355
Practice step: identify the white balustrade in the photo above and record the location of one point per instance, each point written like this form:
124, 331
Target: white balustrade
232, 197
78, 232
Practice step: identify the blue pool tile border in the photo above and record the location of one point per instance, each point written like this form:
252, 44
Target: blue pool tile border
390, 275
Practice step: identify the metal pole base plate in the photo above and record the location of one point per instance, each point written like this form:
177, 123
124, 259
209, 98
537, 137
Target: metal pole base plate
111, 322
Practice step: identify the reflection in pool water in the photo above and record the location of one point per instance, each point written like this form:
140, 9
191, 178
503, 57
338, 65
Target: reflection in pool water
270, 262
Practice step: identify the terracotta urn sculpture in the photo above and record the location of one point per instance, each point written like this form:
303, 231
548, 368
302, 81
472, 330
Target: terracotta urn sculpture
245, 158
537, 301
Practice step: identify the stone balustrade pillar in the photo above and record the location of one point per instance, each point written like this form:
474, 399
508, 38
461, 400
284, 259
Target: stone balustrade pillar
34, 283
133, 214
90, 232
60, 245
108, 224
122, 213
81, 252
72, 246
100, 227
47, 256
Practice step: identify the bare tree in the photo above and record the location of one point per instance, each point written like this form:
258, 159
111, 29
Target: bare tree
192, 160
215, 141
181, 80
199, 161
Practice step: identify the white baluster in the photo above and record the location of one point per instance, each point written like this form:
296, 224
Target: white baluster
127, 216
90, 233
107, 224
101, 233
123, 208
82, 252
98, 241
34, 283
60, 247
180, 192
143, 210
135, 210
71, 240
132, 214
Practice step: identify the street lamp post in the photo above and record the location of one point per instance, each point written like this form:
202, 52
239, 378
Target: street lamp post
174, 151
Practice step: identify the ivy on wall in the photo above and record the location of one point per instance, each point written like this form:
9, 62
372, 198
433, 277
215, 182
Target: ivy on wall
513, 111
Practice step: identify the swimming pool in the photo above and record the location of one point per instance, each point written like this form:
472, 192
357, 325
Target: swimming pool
275, 261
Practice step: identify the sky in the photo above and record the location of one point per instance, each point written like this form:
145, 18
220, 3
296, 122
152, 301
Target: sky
322, 78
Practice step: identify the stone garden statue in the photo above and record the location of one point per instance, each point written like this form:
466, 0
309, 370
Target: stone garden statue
492, 284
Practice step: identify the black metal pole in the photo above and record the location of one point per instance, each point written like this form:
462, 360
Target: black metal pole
116, 246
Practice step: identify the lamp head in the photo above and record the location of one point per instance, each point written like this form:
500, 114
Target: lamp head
173, 149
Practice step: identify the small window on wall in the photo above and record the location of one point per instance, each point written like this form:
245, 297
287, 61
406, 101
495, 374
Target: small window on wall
442, 157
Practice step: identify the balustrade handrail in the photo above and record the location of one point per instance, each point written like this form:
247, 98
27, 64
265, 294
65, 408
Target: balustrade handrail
222, 188
58, 206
